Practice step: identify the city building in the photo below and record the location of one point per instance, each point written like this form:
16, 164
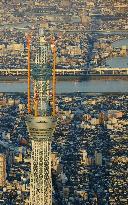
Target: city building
2, 170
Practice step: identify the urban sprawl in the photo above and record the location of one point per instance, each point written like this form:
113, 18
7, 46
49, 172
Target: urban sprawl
87, 154
87, 33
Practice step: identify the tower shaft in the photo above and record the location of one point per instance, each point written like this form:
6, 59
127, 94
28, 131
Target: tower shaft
40, 179
41, 130
53, 47
41, 74
41, 127
54, 81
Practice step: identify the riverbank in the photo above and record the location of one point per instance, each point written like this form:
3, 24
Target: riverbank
92, 77
68, 78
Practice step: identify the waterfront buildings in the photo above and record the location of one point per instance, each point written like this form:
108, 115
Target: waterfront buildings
78, 46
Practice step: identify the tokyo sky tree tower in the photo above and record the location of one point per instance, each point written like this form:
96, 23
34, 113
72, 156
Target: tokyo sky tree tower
41, 126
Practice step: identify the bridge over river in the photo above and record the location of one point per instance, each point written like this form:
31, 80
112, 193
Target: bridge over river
64, 71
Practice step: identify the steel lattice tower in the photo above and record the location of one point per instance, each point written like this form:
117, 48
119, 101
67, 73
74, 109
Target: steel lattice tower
41, 127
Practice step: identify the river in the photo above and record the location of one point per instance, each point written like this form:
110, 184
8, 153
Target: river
92, 86
117, 62
120, 43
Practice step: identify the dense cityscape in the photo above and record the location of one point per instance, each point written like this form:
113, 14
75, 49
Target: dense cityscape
89, 152
63, 102
87, 33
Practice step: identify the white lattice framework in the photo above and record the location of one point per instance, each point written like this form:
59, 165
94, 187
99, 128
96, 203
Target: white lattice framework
41, 130
41, 184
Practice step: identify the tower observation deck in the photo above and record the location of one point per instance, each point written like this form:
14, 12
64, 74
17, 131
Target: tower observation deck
41, 126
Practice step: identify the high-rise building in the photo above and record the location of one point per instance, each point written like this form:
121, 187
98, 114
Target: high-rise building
84, 157
98, 158
2, 170
55, 161
41, 127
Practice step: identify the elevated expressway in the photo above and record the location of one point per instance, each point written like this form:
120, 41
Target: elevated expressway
64, 71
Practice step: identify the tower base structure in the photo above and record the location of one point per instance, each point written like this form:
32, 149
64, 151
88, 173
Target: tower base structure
41, 130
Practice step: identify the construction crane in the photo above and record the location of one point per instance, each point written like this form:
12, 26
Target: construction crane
29, 73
